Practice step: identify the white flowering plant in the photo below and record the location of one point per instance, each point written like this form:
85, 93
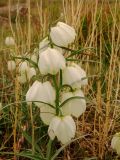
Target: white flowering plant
57, 89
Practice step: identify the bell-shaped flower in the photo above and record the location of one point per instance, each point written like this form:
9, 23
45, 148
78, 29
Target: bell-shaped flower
23, 67
26, 72
74, 76
51, 61
115, 143
45, 43
31, 72
47, 113
75, 106
11, 65
62, 34
63, 128
22, 78
25, 77
41, 92
9, 41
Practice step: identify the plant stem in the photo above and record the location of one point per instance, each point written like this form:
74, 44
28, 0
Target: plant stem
60, 77
57, 95
32, 124
48, 155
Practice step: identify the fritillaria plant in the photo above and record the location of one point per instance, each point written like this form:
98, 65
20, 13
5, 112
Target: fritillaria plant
60, 97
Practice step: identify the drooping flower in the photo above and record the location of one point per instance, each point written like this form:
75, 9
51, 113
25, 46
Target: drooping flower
63, 128
76, 106
62, 34
43, 92
115, 143
26, 72
74, 76
45, 43
51, 61
23, 67
31, 73
9, 41
11, 65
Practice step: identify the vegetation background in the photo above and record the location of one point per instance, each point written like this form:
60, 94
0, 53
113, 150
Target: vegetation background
97, 23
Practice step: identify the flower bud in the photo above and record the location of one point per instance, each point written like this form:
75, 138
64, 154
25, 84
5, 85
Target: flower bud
11, 65
26, 72
9, 41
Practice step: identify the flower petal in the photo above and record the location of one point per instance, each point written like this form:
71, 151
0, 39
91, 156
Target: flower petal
47, 113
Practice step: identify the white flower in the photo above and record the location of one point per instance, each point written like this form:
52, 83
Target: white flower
26, 72
115, 143
26, 76
23, 67
63, 128
41, 92
31, 72
47, 113
11, 65
51, 61
75, 107
22, 78
45, 43
62, 34
75, 76
9, 41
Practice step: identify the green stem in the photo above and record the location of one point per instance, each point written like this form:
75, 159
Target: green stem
60, 77
57, 95
49, 38
49, 145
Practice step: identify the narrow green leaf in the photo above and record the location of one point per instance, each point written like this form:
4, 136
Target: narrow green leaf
29, 139
74, 52
48, 154
26, 154
27, 59
26, 102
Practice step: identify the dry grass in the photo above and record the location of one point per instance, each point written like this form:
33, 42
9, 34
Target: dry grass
98, 25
